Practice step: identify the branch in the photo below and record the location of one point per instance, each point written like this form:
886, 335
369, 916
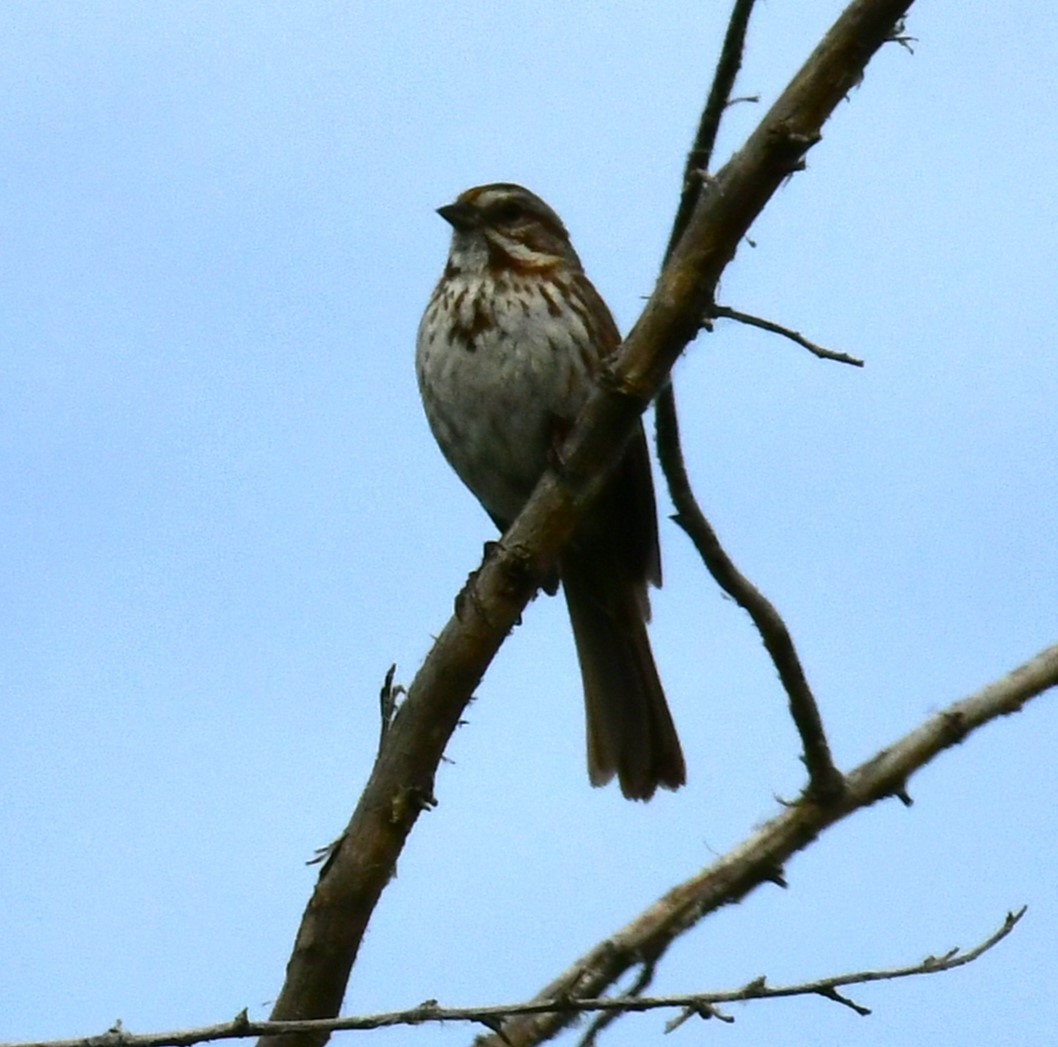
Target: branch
828, 987
644, 978
824, 780
701, 154
760, 858
727, 313
703, 1004
401, 783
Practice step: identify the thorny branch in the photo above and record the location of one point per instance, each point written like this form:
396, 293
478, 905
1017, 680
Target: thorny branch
761, 858
493, 1017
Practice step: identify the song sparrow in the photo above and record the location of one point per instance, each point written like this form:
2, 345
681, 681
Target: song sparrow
506, 357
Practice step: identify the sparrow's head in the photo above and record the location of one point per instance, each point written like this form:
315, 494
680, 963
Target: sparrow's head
504, 226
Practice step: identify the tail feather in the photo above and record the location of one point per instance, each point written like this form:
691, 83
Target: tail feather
630, 731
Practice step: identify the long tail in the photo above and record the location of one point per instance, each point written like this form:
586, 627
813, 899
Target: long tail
629, 726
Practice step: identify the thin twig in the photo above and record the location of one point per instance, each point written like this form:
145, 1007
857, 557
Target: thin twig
493, 1017
825, 783
701, 154
828, 987
727, 313
635, 991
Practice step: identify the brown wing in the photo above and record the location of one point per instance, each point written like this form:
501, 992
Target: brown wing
606, 568
627, 505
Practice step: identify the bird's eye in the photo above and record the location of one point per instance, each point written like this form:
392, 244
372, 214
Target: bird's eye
509, 212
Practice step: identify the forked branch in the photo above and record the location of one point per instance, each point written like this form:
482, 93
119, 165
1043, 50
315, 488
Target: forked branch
761, 858
401, 783
494, 1017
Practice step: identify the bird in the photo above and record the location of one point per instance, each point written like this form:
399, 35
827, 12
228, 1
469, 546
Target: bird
507, 353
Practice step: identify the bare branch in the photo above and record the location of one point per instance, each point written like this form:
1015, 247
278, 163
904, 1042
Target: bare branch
828, 987
494, 1017
825, 782
727, 313
701, 154
824, 779
734, 875
401, 783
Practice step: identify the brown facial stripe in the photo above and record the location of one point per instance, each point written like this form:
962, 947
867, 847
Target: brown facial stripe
500, 260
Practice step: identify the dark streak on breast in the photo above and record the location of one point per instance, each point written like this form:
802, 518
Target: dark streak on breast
480, 320
552, 306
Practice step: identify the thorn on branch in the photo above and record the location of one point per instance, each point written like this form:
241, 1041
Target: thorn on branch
775, 874
899, 36
932, 961
427, 1011
116, 1034
804, 141
495, 1025
1012, 919
326, 854
700, 1009
387, 700
409, 801
708, 1010
830, 993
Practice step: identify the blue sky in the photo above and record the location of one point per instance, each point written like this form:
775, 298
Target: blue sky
224, 516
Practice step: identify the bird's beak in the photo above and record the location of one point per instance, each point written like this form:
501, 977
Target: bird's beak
460, 216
